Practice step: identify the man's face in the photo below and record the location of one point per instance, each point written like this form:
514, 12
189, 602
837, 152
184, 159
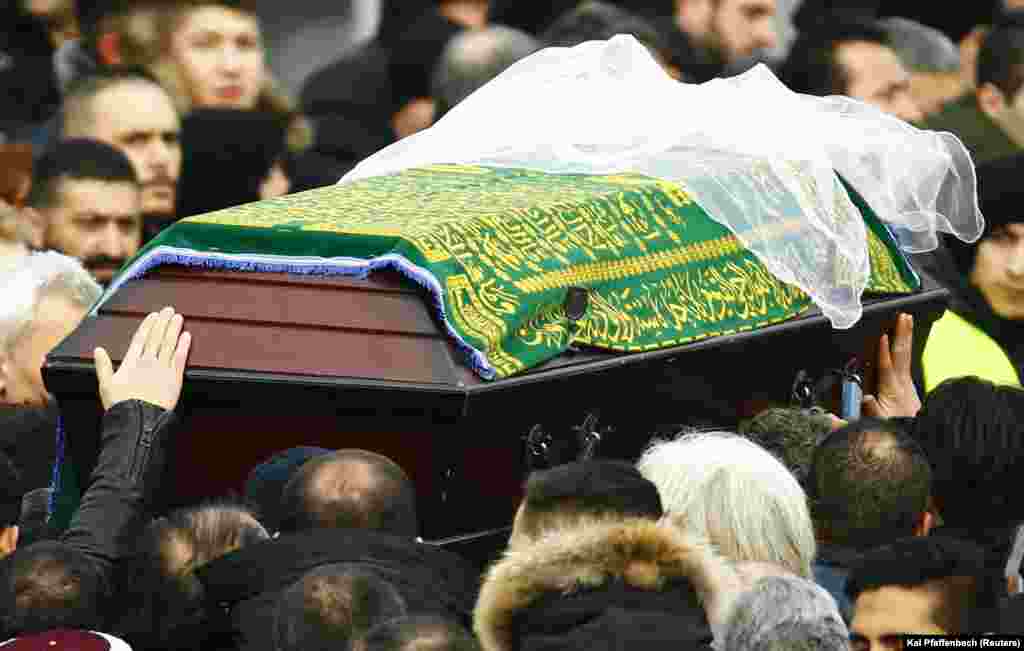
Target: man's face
876, 76
220, 52
881, 616
97, 222
21, 375
741, 28
139, 119
999, 270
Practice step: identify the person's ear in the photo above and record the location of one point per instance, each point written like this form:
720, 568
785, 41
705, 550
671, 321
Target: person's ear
925, 524
108, 46
8, 540
5, 378
37, 225
991, 100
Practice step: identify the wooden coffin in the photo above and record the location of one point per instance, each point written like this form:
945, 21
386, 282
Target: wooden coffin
281, 360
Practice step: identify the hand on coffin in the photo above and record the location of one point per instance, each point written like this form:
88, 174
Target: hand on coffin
153, 369
897, 396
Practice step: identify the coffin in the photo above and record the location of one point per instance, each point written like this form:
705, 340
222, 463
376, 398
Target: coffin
286, 359
279, 361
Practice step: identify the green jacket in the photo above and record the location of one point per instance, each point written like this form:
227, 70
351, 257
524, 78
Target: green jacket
982, 137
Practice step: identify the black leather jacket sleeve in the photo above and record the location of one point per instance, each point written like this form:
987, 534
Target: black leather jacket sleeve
115, 506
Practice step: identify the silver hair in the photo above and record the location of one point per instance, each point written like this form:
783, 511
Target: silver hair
921, 48
785, 613
474, 58
727, 489
22, 286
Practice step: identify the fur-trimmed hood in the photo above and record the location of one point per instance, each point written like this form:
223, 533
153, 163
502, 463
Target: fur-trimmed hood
638, 554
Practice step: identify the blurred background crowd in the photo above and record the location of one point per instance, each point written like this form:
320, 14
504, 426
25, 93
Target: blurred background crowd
801, 531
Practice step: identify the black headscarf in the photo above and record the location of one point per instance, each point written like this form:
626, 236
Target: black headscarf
416, 53
1001, 198
226, 155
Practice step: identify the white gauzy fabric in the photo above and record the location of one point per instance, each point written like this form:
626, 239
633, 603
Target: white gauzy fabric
760, 159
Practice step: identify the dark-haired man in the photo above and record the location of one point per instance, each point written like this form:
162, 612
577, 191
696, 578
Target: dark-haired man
930, 586
729, 30
989, 119
869, 484
599, 21
574, 493
87, 194
970, 429
851, 58
127, 109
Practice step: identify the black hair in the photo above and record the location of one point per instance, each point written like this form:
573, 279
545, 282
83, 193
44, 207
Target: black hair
50, 585
322, 495
869, 483
411, 66
971, 431
1001, 57
11, 492
813, 67
598, 21
596, 487
971, 593
418, 633
331, 606
77, 159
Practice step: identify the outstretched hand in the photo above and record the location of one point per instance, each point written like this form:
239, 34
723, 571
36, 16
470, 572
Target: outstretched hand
153, 369
897, 396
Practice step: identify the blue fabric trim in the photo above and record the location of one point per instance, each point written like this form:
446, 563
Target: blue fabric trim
349, 267
57, 463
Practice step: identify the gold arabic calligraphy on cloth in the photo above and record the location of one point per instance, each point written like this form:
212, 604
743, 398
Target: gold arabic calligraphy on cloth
506, 244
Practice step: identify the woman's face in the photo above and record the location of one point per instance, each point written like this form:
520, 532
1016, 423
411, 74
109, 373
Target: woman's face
220, 52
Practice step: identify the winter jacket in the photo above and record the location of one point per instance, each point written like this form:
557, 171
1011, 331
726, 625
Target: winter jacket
625, 585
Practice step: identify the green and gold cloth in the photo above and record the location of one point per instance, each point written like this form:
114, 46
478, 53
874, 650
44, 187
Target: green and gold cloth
498, 249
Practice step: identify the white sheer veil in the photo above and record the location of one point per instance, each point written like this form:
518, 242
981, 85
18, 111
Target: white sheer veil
760, 159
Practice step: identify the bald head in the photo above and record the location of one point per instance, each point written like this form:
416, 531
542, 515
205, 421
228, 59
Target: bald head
352, 489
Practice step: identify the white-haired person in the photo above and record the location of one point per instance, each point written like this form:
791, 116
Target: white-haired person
727, 489
45, 296
784, 612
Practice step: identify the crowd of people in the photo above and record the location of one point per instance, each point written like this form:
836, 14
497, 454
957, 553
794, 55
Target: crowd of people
796, 530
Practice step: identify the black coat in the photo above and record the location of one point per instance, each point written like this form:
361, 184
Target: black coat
118, 496
248, 582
